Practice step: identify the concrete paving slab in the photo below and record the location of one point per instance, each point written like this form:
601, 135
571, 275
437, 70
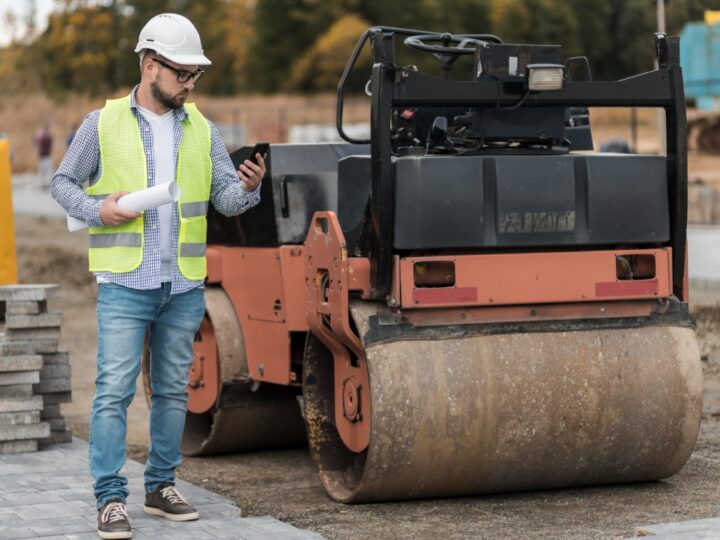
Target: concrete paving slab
48, 494
26, 431
690, 535
28, 293
34, 403
20, 377
61, 357
15, 418
12, 348
41, 320
29, 307
30, 334
52, 386
57, 371
15, 447
19, 391
53, 398
683, 530
20, 363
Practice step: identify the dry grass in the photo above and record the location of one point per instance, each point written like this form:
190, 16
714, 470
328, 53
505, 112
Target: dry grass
263, 117
21, 116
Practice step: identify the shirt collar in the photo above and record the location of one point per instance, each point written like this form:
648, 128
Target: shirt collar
180, 114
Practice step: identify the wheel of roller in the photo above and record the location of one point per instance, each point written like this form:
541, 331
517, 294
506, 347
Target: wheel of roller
509, 412
219, 370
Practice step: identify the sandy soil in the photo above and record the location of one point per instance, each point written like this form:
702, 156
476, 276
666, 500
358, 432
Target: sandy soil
284, 484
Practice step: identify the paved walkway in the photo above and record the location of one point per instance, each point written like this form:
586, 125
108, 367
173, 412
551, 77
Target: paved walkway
697, 529
48, 494
32, 200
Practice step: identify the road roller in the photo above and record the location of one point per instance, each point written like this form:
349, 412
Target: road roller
470, 300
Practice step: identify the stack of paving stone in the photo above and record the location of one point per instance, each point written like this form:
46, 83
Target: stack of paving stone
34, 375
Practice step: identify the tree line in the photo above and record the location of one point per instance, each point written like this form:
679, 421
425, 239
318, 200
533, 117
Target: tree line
270, 46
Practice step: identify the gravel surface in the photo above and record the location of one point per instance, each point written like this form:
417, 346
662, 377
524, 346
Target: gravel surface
283, 483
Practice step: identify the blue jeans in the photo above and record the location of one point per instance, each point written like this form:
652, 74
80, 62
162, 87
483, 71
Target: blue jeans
123, 316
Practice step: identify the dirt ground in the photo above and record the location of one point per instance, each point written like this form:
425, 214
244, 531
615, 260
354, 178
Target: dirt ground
283, 483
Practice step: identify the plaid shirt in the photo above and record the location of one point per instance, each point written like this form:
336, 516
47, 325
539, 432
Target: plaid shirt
82, 162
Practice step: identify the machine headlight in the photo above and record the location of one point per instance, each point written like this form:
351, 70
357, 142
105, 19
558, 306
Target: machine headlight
542, 77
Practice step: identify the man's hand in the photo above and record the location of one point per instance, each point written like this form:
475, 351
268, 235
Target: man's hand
114, 215
251, 174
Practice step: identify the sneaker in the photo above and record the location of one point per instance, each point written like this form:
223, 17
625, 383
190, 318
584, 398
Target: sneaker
167, 502
113, 521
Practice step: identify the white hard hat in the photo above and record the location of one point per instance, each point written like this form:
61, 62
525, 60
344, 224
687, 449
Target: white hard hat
174, 37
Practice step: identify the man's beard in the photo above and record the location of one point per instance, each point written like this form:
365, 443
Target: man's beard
166, 100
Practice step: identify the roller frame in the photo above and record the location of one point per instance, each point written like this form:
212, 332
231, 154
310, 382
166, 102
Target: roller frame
327, 283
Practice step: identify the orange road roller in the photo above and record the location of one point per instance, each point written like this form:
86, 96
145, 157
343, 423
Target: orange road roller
468, 301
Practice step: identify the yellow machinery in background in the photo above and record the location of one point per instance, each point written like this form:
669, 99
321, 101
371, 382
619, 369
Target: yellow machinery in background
8, 258
712, 16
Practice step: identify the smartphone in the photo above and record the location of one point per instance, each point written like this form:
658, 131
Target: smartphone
260, 148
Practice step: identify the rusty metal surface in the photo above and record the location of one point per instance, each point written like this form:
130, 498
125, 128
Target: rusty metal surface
253, 426
388, 326
229, 335
203, 378
222, 358
499, 413
266, 286
537, 312
327, 284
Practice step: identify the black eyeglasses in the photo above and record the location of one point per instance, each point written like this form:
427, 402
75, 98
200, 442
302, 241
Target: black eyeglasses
182, 76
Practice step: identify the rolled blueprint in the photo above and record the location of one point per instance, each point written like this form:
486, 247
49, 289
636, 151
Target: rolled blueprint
139, 201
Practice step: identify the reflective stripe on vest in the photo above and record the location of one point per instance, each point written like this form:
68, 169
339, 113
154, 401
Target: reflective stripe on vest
192, 250
115, 239
194, 209
123, 163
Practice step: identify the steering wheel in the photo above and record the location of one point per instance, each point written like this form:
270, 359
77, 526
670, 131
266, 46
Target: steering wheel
449, 48
450, 44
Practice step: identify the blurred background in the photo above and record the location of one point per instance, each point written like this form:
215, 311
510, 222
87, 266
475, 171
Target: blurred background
276, 63
275, 69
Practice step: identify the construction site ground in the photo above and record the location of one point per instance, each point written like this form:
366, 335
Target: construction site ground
284, 484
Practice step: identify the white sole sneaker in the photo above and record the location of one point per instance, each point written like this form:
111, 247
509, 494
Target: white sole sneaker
115, 535
172, 517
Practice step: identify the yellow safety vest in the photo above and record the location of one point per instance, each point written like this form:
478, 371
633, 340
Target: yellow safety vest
122, 157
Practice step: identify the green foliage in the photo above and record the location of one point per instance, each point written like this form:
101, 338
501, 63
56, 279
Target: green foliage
78, 51
302, 45
284, 29
319, 66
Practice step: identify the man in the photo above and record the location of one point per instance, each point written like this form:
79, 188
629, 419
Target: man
150, 267
43, 141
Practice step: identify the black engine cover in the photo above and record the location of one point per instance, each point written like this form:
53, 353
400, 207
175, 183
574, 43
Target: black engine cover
526, 201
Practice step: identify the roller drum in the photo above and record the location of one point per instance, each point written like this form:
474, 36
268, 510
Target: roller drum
513, 412
244, 428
